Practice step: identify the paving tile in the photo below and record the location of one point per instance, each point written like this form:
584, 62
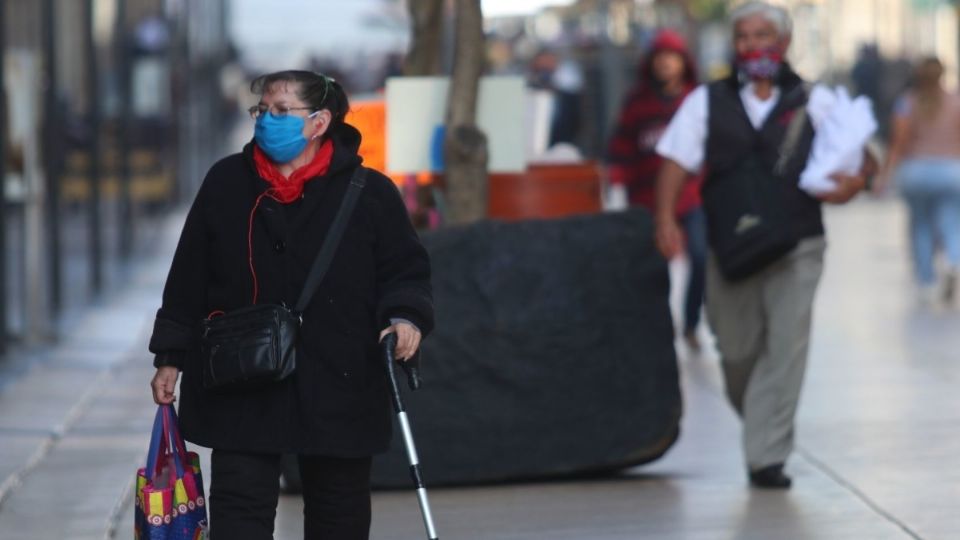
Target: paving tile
72, 492
17, 448
44, 399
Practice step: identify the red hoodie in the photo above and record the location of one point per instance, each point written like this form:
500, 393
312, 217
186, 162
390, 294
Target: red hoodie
645, 115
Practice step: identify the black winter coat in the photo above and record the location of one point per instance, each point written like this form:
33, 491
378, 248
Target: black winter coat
337, 401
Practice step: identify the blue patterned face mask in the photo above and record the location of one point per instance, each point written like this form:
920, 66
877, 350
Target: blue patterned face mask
280, 137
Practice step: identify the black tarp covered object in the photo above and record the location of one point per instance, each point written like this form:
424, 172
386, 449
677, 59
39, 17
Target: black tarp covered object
552, 355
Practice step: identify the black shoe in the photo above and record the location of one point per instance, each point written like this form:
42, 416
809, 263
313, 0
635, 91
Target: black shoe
770, 477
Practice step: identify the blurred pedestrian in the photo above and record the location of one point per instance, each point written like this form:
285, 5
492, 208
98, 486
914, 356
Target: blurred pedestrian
867, 72
924, 158
752, 134
665, 76
250, 237
567, 82
563, 77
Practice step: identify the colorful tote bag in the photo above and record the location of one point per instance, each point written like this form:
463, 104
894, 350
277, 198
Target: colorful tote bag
169, 495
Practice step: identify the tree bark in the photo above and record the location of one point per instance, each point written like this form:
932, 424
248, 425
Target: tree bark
465, 146
424, 55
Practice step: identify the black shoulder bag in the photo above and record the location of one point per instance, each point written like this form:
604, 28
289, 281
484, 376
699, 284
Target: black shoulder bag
256, 345
748, 216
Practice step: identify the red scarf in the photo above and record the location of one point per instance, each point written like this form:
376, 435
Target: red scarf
283, 189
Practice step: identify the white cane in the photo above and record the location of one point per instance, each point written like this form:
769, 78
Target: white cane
389, 345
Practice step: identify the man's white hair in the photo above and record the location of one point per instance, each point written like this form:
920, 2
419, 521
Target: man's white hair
775, 14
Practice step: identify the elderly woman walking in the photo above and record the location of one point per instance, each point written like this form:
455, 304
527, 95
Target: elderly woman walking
250, 238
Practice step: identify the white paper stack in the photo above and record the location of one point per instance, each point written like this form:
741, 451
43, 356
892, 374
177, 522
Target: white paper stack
843, 127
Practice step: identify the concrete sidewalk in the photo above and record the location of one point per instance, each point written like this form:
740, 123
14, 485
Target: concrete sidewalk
877, 435
75, 416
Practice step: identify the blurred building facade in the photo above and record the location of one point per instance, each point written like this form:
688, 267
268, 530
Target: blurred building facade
110, 106
829, 34
607, 38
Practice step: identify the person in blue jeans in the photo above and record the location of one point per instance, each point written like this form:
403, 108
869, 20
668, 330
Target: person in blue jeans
924, 160
694, 225
664, 78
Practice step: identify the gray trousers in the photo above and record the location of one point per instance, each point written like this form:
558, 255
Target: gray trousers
762, 326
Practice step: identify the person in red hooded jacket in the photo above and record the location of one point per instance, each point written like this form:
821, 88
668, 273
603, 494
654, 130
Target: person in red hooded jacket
665, 77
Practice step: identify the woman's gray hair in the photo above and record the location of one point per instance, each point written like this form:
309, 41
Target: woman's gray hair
775, 14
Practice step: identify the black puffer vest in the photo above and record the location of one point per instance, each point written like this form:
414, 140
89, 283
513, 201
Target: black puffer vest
731, 139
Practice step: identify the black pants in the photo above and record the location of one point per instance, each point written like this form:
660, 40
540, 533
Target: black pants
245, 489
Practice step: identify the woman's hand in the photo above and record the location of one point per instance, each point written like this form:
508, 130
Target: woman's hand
669, 237
408, 339
163, 384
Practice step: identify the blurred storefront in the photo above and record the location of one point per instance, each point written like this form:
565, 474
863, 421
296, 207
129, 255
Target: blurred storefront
110, 107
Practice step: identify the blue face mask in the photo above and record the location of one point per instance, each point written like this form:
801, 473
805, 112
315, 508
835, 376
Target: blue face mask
281, 137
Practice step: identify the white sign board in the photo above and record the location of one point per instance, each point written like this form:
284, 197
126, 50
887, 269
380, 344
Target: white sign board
416, 107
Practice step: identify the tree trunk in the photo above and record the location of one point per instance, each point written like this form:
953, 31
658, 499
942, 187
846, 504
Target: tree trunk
465, 146
424, 55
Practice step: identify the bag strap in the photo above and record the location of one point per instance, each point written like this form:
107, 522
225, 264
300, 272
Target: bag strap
794, 130
176, 438
173, 444
322, 263
157, 440
165, 442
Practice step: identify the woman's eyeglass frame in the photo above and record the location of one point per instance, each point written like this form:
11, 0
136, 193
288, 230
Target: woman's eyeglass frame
256, 110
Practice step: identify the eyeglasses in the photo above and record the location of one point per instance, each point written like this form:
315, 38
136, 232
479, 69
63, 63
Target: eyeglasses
278, 110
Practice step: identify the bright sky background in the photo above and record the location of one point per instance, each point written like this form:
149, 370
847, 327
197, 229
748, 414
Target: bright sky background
267, 30
494, 8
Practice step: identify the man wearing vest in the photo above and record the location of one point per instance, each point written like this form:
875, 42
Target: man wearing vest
753, 127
